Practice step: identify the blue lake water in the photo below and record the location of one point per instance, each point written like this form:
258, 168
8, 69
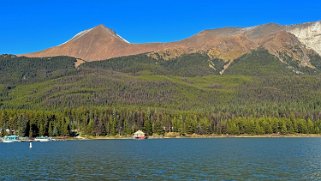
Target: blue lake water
164, 159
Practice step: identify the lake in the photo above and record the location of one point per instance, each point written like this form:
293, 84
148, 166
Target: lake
164, 159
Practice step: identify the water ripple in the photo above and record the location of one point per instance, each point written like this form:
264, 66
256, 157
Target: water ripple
167, 159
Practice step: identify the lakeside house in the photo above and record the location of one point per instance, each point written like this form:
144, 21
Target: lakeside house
139, 135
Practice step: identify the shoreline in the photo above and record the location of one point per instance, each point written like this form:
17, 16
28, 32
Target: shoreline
198, 137
171, 136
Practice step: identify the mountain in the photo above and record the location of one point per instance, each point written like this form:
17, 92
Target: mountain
88, 45
293, 45
98, 43
257, 80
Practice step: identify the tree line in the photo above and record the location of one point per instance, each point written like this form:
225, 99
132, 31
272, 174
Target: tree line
124, 122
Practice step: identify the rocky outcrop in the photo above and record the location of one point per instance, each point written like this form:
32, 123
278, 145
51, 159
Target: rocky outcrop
309, 34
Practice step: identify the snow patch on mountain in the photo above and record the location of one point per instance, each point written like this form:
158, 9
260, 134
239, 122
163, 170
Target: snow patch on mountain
78, 35
123, 39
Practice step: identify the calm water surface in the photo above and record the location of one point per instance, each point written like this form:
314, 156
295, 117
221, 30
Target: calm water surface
164, 159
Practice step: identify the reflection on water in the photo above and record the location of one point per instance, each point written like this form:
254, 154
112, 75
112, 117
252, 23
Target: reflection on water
164, 159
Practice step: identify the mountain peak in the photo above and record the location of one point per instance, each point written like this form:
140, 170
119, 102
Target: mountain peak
96, 43
103, 27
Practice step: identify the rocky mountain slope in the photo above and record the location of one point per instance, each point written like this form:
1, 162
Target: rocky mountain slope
309, 34
293, 45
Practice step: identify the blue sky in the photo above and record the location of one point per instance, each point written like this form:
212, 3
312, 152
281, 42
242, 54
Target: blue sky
33, 25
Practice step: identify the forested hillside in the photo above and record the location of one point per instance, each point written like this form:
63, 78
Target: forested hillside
257, 95
15, 70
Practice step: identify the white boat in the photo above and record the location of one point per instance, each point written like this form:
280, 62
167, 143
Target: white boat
10, 139
43, 139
